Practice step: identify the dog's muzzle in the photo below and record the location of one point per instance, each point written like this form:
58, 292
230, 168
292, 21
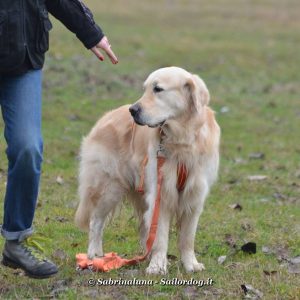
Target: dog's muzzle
135, 111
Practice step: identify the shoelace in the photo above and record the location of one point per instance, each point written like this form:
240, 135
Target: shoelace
32, 245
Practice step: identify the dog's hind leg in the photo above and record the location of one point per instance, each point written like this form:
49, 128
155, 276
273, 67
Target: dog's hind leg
111, 194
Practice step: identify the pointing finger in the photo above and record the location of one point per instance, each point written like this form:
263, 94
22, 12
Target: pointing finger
97, 53
111, 55
105, 45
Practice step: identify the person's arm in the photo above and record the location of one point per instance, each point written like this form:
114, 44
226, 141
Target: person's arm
79, 19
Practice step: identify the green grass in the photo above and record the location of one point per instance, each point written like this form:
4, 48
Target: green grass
248, 54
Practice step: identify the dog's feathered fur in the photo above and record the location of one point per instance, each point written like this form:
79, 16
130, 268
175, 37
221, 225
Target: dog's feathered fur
112, 154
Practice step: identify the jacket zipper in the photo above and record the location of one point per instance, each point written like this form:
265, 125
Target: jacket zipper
24, 33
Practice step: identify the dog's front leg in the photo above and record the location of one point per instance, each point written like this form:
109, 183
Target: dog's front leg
188, 226
187, 230
158, 262
149, 197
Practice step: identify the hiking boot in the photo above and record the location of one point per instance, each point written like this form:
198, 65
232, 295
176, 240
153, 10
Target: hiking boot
28, 256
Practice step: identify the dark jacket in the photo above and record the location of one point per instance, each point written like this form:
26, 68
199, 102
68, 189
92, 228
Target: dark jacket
25, 26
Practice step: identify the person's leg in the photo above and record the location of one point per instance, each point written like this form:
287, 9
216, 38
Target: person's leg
21, 110
20, 99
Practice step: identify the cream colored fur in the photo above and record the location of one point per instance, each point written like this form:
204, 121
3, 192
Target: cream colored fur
112, 154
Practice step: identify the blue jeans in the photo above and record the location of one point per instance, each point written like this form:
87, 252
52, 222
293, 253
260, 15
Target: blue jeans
20, 100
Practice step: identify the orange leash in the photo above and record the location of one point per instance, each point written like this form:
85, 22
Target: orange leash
111, 260
182, 174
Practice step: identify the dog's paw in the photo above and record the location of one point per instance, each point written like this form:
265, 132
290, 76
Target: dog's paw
158, 265
93, 254
156, 270
194, 267
191, 264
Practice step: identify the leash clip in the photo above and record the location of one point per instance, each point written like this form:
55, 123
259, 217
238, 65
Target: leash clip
161, 152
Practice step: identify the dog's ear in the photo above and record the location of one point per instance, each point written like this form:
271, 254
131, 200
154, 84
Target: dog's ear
198, 92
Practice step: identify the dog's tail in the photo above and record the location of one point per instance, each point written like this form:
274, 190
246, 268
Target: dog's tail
87, 192
82, 215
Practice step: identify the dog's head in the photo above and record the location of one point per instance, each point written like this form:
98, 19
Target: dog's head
169, 94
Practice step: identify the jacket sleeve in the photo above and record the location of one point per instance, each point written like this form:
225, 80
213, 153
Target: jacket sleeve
78, 19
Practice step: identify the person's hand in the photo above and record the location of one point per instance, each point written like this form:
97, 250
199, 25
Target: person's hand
104, 45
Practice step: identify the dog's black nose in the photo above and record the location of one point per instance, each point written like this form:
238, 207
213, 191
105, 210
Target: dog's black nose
135, 110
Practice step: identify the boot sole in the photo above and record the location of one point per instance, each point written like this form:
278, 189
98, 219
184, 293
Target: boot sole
12, 264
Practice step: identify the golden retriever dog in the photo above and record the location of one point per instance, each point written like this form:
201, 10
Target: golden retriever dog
172, 116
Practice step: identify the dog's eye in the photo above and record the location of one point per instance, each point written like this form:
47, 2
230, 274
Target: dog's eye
157, 89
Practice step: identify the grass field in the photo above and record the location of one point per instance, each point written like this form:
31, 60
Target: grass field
248, 54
